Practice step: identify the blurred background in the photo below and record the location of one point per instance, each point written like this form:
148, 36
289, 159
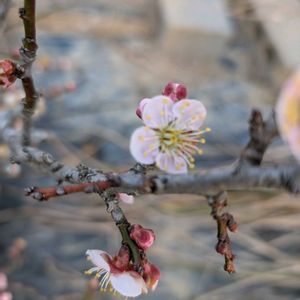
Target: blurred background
96, 60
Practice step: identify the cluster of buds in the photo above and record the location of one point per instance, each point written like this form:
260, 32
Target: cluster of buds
118, 274
7, 73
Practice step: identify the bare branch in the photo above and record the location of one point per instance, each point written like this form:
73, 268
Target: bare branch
28, 53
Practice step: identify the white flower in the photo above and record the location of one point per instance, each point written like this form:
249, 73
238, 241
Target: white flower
171, 133
113, 277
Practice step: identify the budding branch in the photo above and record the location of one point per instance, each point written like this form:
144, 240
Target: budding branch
247, 172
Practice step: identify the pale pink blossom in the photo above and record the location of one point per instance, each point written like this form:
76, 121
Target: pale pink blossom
143, 237
6, 296
128, 199
3, 282
171, 135
116, 274
288, 113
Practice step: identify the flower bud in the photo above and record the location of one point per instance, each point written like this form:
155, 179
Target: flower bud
222, 247
7, 69
175, 91
144, 238
151, 275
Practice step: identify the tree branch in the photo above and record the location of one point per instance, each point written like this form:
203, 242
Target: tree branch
28, 54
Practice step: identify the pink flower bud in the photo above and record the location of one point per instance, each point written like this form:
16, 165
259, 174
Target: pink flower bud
7, 69
151, 275
222, 247
175, 91
144, 238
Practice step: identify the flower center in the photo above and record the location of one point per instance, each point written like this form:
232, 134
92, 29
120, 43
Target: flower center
180, 142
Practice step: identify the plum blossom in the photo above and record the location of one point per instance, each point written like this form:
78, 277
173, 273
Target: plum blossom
171, 135
288, 113
144, 238
116, 273
7, 69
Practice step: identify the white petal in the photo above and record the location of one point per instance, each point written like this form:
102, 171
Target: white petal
158, 112
128, 199
190, 114
128, 284
171, 163
99, 258
144, 145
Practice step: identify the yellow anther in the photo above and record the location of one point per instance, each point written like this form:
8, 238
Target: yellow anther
200, 151
165, 101
202, 141
207, 129
141, 138
145, 153
148, 117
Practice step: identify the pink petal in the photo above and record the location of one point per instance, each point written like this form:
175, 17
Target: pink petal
190, 114
3, 281
144, 145
128, 284
171, 163
128, 199
6, 296
99, 258
141, 106
158, 112
294, 142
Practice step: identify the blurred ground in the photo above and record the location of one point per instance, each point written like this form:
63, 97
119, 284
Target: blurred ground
118, 53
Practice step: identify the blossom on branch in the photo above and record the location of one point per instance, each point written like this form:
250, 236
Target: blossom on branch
7, 69
288, 113
171, 135
116, 273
